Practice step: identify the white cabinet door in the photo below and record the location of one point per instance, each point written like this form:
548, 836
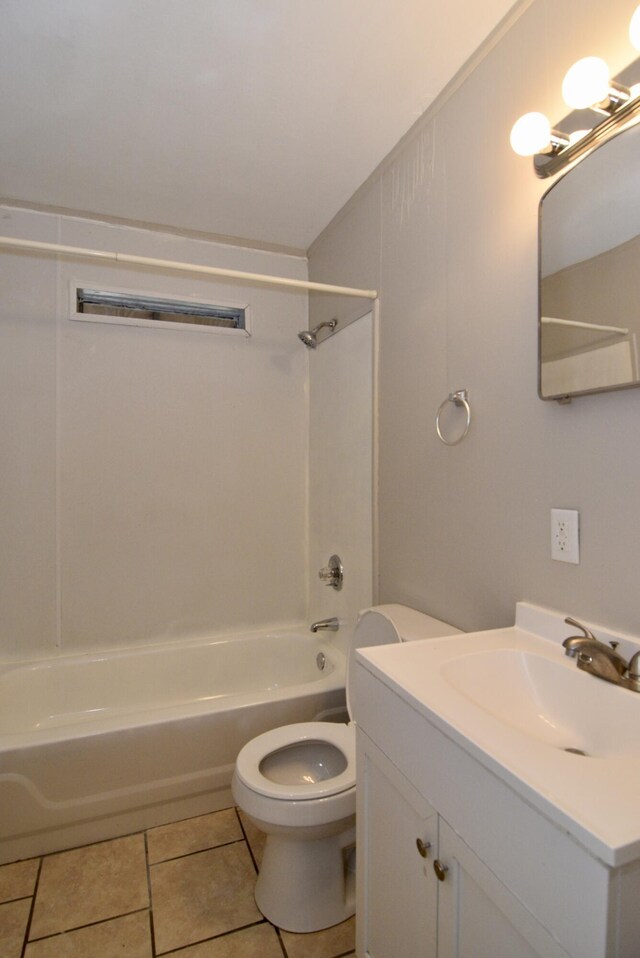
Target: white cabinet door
397, 890
478, 917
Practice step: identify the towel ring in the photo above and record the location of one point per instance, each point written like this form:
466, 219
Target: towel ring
458, 398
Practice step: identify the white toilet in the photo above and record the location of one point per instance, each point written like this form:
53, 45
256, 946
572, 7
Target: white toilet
297, 784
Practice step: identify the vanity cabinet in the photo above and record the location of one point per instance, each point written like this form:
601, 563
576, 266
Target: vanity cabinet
517, 884
469, 743
478, 917
422, 892
396, 886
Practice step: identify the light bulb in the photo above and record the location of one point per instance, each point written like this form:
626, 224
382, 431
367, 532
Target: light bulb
634, 29
530, 134
577, 135
586, 83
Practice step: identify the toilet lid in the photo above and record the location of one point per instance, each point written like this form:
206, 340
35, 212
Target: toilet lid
374, 627
337, 753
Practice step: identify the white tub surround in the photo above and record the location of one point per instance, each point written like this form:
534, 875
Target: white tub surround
136, 457
95, 746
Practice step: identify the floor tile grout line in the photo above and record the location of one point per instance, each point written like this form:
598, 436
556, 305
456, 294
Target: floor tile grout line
115, 838
150, 909
27, 930
248, 843
152, 939
197, 851
255, 865
77, 848
279, 937
89, 924
203, 941
10, 901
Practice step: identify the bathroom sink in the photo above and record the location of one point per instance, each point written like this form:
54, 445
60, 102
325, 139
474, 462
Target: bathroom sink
549, 700
565, 741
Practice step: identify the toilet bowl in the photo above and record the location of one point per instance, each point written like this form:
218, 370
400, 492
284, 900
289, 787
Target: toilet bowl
297, 784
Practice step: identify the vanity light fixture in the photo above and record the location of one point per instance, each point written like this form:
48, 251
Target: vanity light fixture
587, 85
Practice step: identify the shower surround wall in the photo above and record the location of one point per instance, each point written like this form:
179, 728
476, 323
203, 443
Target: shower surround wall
341, 377
446, 229
154, 481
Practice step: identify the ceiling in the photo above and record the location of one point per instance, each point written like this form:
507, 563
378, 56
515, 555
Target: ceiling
248, 118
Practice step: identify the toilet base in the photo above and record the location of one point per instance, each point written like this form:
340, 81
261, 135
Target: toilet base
307, 885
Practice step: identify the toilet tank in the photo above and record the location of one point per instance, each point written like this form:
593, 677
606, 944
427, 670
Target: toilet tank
409, 624
385, 624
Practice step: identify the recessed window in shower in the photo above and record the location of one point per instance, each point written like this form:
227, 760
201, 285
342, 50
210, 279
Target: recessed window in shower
133, 309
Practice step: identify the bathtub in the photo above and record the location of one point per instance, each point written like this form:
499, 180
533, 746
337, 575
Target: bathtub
100, 745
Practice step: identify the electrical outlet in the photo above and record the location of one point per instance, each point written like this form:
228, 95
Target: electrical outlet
565, 542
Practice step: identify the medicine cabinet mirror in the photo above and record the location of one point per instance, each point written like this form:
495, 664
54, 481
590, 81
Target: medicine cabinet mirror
589, 322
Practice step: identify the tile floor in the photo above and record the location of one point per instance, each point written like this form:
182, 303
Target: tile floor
182, 891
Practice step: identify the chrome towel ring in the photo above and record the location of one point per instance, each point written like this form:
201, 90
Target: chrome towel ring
458, 398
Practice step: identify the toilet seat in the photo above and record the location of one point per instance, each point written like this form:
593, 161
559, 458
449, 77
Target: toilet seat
341, 737
297, 784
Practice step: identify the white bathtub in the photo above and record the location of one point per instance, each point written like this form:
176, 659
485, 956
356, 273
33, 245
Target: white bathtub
95, 746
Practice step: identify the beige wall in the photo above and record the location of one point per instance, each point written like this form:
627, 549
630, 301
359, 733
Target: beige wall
154, 482
447, 230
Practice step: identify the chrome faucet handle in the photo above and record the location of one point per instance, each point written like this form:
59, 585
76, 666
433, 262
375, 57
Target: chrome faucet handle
333, 574
327, 575
634, 666
588, 634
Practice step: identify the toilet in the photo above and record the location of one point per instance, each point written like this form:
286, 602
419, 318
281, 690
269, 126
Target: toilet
297, 784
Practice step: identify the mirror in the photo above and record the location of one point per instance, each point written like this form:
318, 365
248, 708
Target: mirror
589, 322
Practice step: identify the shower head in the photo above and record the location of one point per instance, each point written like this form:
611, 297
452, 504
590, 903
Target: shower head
310, 336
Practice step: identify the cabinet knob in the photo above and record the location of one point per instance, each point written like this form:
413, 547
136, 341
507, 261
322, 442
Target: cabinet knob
423, 847
440, 870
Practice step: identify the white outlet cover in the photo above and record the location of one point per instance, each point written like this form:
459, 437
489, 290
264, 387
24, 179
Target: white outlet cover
565, 536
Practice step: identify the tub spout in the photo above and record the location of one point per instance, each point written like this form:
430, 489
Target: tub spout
325, 625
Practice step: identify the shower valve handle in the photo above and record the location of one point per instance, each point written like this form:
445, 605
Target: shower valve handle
328, 575
333, 574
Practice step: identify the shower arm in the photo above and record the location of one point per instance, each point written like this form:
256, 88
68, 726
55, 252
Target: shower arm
326, 324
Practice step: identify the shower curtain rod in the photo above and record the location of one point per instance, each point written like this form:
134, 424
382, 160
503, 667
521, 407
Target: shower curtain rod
552, 321
10, 241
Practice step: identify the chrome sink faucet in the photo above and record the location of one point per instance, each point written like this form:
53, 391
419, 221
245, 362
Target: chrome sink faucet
602, 660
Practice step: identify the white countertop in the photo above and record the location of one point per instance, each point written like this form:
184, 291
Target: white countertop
595, 798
